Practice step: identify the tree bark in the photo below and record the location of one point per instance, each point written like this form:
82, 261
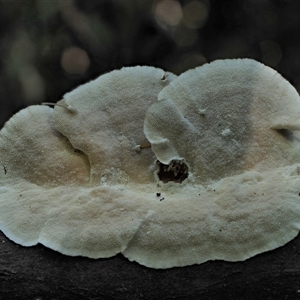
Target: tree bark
39, 273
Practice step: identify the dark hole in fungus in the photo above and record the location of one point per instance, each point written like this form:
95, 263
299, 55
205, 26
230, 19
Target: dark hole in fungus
287, 134
176, 171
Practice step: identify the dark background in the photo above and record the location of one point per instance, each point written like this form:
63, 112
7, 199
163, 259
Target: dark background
49, 47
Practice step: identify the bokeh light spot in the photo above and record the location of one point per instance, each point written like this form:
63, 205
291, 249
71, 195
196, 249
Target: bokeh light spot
168, 12
75, 61
32, 83
195, 14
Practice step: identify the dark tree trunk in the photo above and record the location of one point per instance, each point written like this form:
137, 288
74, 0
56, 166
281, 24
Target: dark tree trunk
40, 273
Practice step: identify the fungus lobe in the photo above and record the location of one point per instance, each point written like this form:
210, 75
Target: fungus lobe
168, 171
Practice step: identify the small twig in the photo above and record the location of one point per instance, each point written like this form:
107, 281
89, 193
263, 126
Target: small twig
138, 148
146, 145
67, 106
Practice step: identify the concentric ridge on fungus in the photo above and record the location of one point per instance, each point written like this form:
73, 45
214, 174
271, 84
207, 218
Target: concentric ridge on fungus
168, 171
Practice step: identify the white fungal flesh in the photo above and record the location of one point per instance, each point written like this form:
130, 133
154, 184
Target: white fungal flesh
243, 95
109, 122
85, 181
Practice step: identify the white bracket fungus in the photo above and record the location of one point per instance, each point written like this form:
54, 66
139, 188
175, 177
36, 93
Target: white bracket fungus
109, 122
168, 171
259, 106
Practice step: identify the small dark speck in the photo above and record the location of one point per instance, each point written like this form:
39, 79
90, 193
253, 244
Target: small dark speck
220, 229
299, 194
214, 190
20, 195
157, 194
161, 199
199, 194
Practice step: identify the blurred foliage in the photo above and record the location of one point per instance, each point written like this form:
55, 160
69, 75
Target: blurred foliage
50, 47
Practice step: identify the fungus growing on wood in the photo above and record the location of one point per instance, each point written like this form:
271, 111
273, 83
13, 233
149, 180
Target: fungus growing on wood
226, 117
219, 179
109, 122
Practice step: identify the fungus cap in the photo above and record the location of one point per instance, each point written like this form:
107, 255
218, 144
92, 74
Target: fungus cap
35, 159
108, 122
226, 117
74, 181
